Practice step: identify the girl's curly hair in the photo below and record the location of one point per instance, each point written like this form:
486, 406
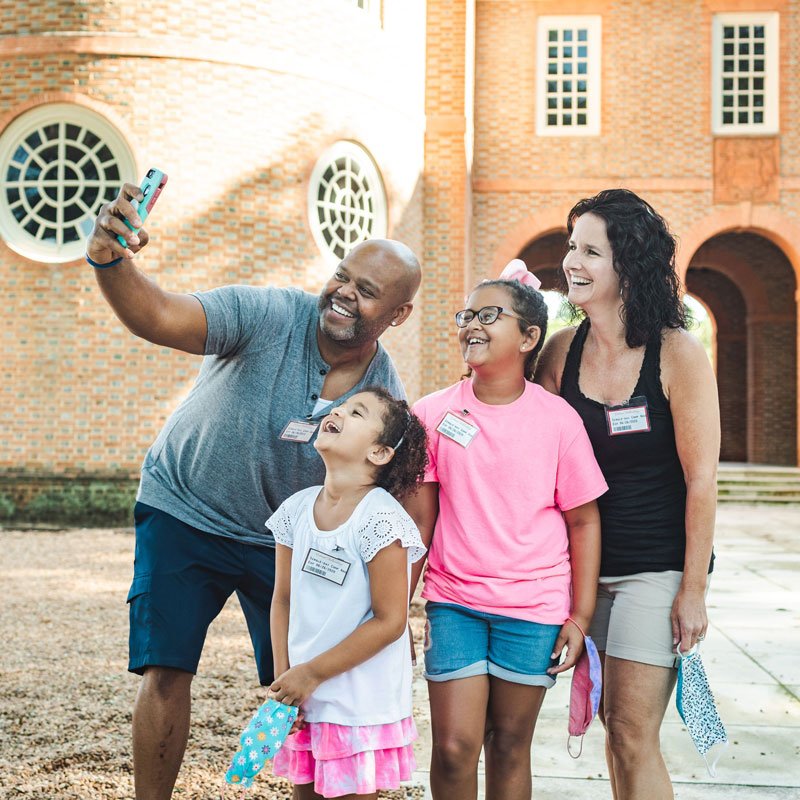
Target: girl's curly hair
530, 305
644, 258
402, 431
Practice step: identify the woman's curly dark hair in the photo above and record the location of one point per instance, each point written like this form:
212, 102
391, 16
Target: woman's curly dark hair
529, 304
402, 431
644, 258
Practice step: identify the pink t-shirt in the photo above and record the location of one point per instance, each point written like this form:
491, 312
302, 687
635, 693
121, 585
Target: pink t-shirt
500, 542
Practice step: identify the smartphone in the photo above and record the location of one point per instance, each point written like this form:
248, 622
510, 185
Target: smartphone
151, 187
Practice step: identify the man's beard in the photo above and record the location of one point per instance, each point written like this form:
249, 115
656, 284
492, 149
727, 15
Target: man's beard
356, 333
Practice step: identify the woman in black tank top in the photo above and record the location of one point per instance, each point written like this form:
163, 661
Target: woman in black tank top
647, 396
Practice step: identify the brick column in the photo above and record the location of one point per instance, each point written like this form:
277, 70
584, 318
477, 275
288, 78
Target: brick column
447, 193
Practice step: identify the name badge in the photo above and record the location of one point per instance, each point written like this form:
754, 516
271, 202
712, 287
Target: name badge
457, 429
298, 430
326, 566
632, 417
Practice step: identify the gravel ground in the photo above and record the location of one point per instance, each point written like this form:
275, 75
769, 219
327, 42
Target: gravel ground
65, 694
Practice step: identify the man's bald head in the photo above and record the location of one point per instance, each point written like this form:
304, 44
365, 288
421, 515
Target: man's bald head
392, 258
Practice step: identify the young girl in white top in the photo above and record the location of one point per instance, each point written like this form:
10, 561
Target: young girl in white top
340, 607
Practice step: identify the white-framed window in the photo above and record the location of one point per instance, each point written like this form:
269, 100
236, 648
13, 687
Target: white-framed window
568, 76
744, 73
59, 163
346, 200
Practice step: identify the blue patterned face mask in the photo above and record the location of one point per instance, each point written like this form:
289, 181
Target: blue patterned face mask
698, 711
260, 740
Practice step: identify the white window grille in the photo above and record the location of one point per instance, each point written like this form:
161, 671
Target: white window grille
744, 73
59, 163
568, 76
346, 200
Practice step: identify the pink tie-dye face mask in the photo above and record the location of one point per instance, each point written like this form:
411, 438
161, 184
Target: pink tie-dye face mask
584, 698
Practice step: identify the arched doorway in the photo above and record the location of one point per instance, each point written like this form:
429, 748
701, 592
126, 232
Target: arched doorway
543, 257
749, 286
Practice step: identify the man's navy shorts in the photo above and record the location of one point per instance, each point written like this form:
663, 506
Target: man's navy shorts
182, 578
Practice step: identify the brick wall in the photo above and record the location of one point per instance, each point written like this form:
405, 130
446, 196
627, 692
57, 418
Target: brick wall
655, 139
237, 108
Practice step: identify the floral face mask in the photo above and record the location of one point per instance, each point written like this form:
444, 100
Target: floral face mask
698, 710
260, 741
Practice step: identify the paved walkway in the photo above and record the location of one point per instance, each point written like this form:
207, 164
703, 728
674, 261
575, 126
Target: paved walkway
752, 657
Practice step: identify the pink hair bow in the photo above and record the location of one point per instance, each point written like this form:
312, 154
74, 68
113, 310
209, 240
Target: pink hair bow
516, 270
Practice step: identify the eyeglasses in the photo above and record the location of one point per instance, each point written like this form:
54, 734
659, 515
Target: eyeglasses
486, 315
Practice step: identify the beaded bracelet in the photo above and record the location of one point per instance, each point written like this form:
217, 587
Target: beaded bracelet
104, 266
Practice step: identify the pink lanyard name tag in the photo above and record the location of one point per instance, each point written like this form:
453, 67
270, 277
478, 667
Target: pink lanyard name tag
630, 417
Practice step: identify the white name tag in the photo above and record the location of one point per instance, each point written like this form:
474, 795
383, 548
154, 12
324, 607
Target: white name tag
298, 430
324, 565
457, 429
630, 418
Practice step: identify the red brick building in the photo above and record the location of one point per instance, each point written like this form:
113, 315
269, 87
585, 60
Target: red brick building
466, 129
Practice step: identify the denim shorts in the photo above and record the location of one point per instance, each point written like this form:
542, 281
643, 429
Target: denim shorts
182, 578
461, 643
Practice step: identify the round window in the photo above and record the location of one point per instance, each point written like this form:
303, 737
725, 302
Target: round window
60, 163
346, 200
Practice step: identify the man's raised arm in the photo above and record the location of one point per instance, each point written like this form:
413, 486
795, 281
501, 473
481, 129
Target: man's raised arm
166, 318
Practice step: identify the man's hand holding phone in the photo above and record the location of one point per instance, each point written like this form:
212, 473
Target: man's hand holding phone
118, 231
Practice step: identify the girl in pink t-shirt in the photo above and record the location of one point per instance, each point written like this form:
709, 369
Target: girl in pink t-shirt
508, 508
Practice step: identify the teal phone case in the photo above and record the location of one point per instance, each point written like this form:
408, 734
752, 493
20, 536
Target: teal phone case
151, 187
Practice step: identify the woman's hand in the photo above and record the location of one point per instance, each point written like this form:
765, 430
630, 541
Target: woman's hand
570, 637
294, 686
689, 620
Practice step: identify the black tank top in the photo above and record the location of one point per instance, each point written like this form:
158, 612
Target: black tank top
643, 512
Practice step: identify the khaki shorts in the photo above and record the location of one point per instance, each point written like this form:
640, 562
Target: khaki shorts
632, 617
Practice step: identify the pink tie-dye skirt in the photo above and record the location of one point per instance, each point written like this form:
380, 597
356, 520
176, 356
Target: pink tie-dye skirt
341, 760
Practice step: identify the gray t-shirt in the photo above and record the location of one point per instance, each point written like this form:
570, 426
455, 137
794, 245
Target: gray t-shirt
219, 463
